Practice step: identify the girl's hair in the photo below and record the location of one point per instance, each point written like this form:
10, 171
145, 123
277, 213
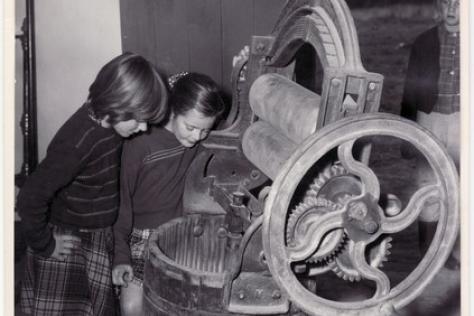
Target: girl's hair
128, 87
195, 91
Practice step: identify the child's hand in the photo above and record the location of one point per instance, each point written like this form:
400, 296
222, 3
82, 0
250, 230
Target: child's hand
242, 56
122, 274
65, 245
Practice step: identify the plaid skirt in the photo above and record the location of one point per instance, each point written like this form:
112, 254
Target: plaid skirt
139, 255
80, 285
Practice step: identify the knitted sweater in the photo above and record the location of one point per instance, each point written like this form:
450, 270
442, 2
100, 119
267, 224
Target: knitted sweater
76, 185
153, 171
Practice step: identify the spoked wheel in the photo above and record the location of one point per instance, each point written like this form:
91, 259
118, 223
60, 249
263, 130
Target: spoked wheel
344, 207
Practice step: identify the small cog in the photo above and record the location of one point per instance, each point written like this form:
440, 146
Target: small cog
335, 184
379, 254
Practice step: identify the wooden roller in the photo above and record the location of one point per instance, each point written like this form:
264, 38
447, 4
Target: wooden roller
267, 148
286, 105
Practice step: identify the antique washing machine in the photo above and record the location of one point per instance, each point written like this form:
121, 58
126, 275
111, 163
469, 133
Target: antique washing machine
284, 202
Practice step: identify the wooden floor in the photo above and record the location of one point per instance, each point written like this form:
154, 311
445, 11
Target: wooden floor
442, 296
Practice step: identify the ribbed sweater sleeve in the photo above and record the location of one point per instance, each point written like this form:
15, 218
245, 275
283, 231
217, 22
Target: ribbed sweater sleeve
421, 83
131, 163
57, 170
408, 106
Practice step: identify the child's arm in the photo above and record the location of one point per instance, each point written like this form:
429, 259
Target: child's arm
59, 168
130, 165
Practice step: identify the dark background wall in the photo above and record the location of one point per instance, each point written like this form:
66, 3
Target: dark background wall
202, 36
382, 3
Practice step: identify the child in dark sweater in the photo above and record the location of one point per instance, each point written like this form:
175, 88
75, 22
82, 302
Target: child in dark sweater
152, 178
69, 204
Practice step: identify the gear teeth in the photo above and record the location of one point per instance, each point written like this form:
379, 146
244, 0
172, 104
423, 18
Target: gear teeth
319, 206
319, 183
326, 174
346, 269
310, 200
330, 257
312, 192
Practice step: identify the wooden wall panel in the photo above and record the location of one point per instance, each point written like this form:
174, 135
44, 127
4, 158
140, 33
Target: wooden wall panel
266, 13
170, 35
204, 27
237, 28
135, 22
204, 35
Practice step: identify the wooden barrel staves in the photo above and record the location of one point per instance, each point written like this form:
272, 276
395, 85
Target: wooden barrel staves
186, 269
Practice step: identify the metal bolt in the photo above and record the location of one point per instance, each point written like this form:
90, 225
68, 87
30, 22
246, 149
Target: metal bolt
222, 232
260, 47
300, 268
198, 230
255, 174
262, 258
276, 295
238, 198
371, 227
372, 86
394, 205
241, 295
335, 82
357, 210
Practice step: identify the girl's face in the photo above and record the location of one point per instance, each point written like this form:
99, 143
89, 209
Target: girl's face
130, 127
190, 128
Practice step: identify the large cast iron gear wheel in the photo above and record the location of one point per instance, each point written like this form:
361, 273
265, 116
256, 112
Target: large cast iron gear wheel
361, 216
302, 215
335, 183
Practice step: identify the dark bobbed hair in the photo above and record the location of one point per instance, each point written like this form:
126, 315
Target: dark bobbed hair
196, 91
129, 87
